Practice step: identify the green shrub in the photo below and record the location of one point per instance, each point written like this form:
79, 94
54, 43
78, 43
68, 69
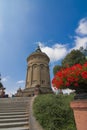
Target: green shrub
53, 112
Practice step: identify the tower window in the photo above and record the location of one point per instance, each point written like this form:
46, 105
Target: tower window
43, 81
42, 66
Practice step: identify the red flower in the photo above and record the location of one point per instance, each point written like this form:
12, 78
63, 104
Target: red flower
71, 76
84, 74
76, 84
67, 84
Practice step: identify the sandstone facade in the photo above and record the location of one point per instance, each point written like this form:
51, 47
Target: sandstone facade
38, 74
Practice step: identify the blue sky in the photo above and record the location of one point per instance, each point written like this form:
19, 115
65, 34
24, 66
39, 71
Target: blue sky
58, 26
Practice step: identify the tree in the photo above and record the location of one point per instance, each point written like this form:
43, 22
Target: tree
84, 51
56, 68
74, 57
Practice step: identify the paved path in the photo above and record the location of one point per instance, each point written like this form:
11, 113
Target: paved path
34, 125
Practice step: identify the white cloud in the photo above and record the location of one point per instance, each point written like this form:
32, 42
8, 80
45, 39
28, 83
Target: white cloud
4, 79
82, 28
59, 51
20, 82
56, 52
80, 42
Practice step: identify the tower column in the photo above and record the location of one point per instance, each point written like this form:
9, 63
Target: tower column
29, 77
39, 75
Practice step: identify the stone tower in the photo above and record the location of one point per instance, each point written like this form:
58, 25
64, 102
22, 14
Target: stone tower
37, 73
38, 69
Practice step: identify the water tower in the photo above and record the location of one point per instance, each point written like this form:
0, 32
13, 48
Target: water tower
38, 73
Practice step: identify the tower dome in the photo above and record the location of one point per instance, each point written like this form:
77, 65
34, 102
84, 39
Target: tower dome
39, 54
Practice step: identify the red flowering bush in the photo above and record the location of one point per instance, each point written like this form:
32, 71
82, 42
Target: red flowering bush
72, 77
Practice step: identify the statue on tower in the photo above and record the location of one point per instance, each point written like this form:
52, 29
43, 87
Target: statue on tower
38, 49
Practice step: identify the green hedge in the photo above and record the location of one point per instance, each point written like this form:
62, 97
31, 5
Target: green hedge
53, 112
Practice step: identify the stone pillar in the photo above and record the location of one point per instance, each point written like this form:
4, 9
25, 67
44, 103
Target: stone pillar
39, 75
80, 113
29, 77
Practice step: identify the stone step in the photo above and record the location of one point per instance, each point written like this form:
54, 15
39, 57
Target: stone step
16, 128
12, 110
13, 113
13, 116
13, 107
13, 101
16, 99
13, 124
7, 103
25, 102
13, 104
13, 120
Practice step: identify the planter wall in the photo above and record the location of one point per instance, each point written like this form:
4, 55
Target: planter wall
80, 113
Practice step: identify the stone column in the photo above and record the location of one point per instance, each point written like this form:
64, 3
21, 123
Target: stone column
29, 77
39, 75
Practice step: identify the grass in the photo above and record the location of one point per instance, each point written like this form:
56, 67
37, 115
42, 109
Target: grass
53, 112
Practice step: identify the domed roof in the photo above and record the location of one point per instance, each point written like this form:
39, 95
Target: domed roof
38, 51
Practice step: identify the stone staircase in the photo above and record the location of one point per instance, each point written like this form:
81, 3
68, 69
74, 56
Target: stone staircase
14, 113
